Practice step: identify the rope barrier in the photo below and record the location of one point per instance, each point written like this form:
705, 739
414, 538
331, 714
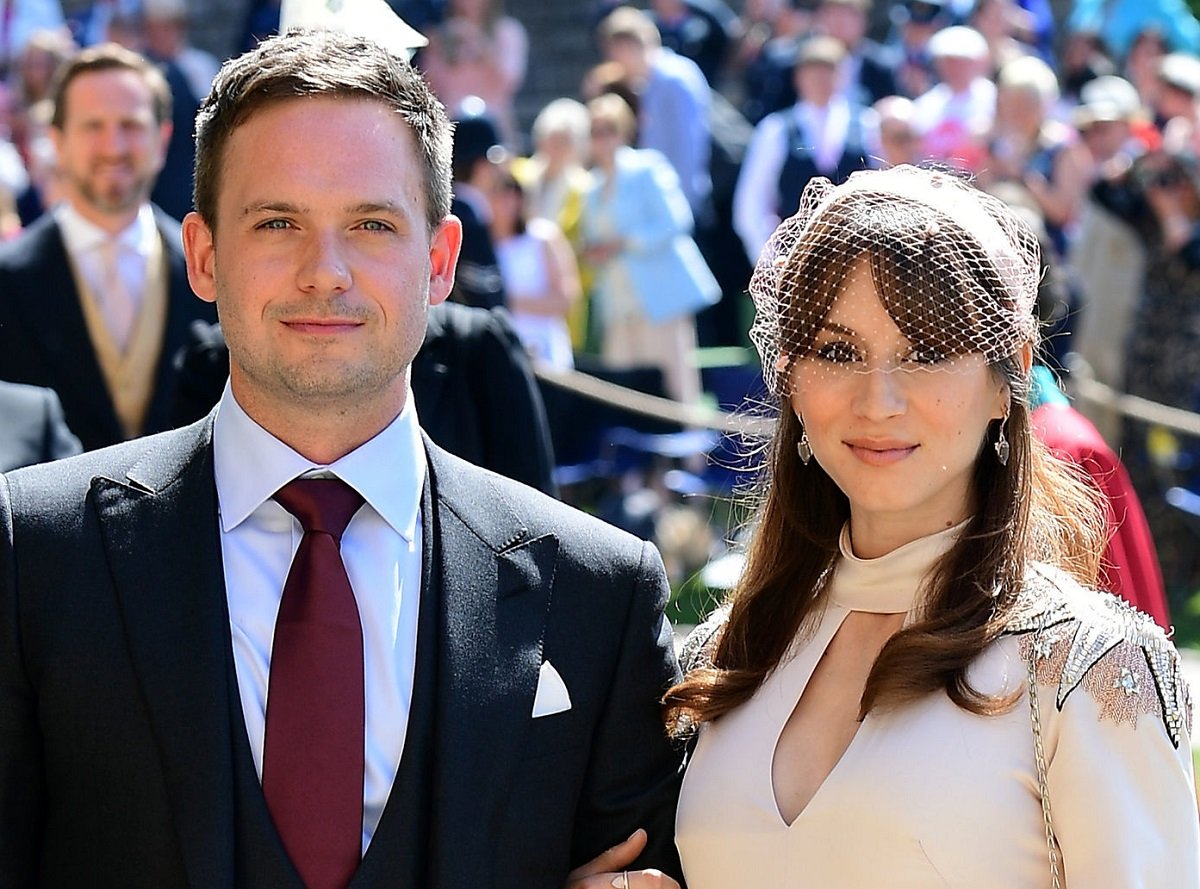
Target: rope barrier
691, 415
1099, 394
701, 417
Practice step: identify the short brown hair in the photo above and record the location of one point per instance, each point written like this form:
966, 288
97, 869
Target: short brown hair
321, 63
109, 57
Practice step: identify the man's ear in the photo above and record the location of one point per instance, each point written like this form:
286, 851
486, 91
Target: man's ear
200, 255
444, 245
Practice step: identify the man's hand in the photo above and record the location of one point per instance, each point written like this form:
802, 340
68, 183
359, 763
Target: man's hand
608, 869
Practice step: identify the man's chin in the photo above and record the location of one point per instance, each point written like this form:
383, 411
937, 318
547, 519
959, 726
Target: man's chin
115, 203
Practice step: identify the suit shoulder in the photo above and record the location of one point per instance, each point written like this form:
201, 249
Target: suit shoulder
151, 461
17, 399
28, 248
1078, 638
450, 320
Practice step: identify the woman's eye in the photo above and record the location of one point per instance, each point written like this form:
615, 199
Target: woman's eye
836, 353
926, 355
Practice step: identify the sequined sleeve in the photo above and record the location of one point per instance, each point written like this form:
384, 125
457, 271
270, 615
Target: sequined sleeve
1116, 716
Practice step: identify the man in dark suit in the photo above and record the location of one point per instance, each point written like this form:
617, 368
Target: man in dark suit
174, 638
478, 152
32, 429
95, 294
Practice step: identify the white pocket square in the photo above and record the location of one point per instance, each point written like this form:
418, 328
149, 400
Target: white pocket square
552, 696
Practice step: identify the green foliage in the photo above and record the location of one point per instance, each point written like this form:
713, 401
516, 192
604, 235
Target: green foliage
691, 602
1186, 617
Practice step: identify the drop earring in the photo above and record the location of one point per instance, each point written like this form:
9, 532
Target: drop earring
1002, 447
803, 448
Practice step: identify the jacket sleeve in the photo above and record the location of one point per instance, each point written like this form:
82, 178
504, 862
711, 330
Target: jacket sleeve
514, 428
635, 771
59, 440
21, 783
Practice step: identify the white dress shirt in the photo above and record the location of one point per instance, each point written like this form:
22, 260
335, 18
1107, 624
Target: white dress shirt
381, 549
756, 210
86, 243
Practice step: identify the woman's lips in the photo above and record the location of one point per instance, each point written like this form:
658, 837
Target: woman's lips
880, 453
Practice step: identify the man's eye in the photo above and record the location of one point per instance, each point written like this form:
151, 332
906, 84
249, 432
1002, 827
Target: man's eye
375, 225
275, 225
836, 353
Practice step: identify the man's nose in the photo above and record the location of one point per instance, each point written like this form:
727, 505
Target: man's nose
325, 268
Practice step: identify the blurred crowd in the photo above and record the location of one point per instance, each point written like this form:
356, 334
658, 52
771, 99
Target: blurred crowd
617, 228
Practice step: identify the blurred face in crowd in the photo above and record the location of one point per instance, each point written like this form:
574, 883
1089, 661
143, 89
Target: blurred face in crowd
164, 37
110, 147
816, 82
844, 21
630, 55
899, 142
1105, 138
1018, 111
606, 139
957, 72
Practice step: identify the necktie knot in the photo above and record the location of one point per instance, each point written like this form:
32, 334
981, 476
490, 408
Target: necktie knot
322, 505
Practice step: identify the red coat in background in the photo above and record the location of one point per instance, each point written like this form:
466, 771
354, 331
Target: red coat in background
1130, 565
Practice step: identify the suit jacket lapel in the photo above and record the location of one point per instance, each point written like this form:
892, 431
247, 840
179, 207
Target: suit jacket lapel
496, 583
161, 535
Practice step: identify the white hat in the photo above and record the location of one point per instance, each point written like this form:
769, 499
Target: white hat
958, 42
1182, 71
372, 19
1107, 98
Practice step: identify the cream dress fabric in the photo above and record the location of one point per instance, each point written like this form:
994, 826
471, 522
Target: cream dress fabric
932, 796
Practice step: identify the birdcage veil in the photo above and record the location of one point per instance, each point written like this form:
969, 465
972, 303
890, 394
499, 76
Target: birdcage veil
956, 269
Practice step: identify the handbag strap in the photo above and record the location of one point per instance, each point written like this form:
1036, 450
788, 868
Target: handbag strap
1039, 754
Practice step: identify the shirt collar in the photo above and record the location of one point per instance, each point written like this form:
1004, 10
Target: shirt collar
251, 465
82, 235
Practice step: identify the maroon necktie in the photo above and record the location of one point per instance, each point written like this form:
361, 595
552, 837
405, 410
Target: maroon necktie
312, 774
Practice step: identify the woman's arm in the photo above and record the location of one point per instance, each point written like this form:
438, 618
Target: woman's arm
1121, 788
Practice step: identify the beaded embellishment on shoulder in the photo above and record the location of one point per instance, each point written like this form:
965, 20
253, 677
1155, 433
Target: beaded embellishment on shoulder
697, 648
1120, 656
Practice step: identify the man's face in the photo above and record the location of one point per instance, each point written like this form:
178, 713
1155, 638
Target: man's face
320, 259
815, 82
841, 20
110, 147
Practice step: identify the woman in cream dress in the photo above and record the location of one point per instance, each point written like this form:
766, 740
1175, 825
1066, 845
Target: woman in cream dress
919, 563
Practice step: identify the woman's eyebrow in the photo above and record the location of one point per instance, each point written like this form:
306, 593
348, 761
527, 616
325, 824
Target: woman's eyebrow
840, 329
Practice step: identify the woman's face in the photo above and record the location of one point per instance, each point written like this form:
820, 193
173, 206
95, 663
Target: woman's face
1018, 111
606, 139
505, 202
898, 427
